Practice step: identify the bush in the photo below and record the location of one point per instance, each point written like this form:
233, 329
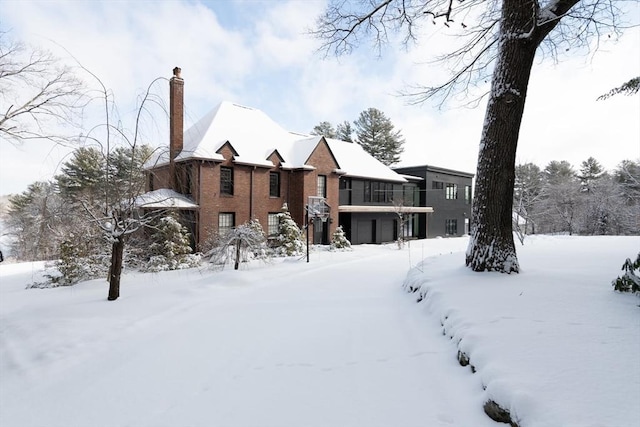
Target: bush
629, 281
245, 242
288, 241
170, 248
75, 265
339, 241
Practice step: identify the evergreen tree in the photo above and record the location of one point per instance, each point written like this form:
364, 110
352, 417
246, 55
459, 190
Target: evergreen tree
630, 280
590, 170
339, 240
375, 133
33, 219
170, 248
83, 177
289, 238
344, 131
325, 129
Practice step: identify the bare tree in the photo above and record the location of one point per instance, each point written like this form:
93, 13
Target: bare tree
120, 214
526, 195
500, 38
38, 95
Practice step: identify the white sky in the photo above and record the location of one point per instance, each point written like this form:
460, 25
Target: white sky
256, 53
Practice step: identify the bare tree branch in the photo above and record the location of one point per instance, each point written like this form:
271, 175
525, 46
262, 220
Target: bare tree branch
39, 97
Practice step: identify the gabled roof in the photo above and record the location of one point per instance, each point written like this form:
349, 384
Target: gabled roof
254, 137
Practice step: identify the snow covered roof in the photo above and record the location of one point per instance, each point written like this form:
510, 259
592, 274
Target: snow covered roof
164, 198
255, 136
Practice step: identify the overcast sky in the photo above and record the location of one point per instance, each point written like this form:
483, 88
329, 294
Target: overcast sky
257, 53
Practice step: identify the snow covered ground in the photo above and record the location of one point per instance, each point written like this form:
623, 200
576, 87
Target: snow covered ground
336, 342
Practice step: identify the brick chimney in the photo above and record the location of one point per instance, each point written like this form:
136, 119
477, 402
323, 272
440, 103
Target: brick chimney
176, 122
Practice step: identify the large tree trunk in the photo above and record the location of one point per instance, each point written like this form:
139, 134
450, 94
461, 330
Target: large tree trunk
491, 245
117, 252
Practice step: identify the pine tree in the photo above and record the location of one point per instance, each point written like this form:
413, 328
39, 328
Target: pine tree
344, 131
375, 133
590, 170
289, 237
339, 241
629, 281
171, 248
325, 129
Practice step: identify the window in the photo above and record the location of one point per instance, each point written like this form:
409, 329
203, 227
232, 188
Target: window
226, 221
451, 227
226, 180
375, 191
151, 181
467, 194
367, 191
186, 180
451, 192
322, 186
272, 224
274, 184
437, 185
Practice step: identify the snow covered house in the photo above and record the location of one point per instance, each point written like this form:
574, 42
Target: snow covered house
237, 164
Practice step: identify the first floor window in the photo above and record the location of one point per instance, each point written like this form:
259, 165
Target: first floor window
226, 221
451, 227
272, 224
408, 226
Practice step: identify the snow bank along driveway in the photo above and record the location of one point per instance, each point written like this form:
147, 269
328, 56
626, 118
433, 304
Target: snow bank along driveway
336, 342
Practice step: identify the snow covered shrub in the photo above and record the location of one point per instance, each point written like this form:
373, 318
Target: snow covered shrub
339, 241
170, 248
76, 264
288, 241
242, 243
629, 281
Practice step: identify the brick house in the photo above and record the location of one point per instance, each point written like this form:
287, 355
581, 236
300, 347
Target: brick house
237, 164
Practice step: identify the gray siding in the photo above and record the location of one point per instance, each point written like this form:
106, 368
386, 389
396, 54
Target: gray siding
446, 211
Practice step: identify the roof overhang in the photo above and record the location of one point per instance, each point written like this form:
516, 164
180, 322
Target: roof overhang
386, 208
164, 199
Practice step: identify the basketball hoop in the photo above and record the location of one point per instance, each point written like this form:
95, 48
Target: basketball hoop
316, 209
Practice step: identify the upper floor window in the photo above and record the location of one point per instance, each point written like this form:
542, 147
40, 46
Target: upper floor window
274, 184
322, 186
226, 221
151, 181
185, 178
272, 224
437, 185
226, 180
467, 194
451, 192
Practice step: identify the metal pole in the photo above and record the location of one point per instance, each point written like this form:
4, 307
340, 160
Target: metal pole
307, 221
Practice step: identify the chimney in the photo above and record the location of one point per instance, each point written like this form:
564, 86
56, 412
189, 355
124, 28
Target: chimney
176, 122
